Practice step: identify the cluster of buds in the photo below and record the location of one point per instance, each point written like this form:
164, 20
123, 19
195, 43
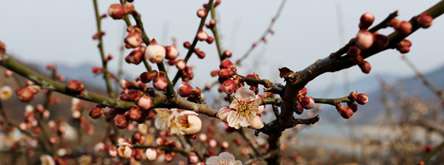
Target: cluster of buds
227, 77
352, 107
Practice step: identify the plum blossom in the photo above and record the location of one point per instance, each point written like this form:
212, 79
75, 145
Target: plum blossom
5, 92
47, 160
223, 158
244, 108
178, 121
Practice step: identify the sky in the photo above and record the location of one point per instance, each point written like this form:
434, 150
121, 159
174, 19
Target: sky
60, 32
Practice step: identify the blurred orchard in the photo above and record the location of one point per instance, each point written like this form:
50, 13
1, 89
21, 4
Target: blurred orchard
162, 117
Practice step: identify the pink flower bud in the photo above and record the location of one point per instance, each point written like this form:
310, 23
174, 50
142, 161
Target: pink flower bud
8, 73
145, 103
366, 20
404, 28
116, 11
181, 64
229, 86
381, 42
184, 89
364, 39
424, 20
201, 13
171, 52
353, 106
346, 113
75, 86
362, 98
353, 95
227, 54
365, 67
134, 113
404, 46
121, 121
154, 52
225, 145
135, 57
307, 102
225, 73
194, 125
151, 154
227, 64
353, 51
145, 77
186, 44
134, 39
212, 143
129, 8
25, 94
202, 137
160, 82
112, 151
202, 36
257, 123
193, 159
200, 54
96, 112
210, 40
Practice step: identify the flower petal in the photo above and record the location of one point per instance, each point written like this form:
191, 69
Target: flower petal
245, 94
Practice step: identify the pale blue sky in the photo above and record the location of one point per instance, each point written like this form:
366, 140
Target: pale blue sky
59, 31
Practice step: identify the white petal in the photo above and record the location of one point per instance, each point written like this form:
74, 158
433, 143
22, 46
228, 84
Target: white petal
233, 120
245, 94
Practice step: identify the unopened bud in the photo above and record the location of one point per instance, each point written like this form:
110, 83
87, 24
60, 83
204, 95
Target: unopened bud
362, 98
365, 67
307, 102
96, 112
116, 11
181, 64
366, 20
121, 121
154, 52
404, 28
424, 20
229, 86
145, 102
404, 46
75, 86
134, 39
200, 54
201, 13
381, 42
186, 44
134, 113
171, 52
184, 89
210, 40
364, 39
227, 54
160, 82
202, 36
346, 113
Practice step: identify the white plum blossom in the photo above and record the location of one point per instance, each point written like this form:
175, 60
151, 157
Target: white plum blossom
223, 158
5, 92
178, 121
244, 108
162, 118
47, 160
